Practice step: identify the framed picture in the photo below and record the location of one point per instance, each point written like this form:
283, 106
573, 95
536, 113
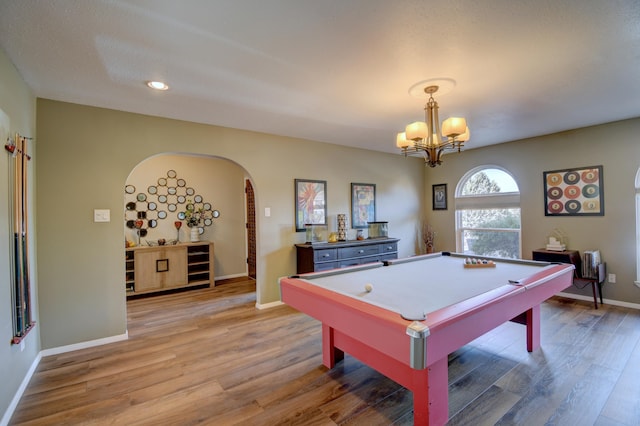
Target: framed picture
574, 192
311, 202
440, 196
363, 204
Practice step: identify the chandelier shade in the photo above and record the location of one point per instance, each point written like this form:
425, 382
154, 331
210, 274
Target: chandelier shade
424, 137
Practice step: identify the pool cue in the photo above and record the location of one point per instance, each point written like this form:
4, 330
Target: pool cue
25, 233
17, 189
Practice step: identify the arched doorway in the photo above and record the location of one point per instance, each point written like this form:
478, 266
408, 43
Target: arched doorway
251, 229
162, 188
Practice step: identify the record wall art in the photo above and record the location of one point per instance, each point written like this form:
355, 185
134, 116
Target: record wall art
574, 192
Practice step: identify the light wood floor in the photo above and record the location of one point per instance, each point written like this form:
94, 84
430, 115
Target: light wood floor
208, 356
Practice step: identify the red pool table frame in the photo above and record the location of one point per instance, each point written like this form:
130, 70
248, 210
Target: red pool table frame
378, 337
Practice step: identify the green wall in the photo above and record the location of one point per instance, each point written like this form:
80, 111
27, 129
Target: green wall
18, 104
85, 156
614, 146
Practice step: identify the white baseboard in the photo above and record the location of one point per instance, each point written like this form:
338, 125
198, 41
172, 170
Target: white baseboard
269, 305
606, 301
84, 345
23, 386
226, 277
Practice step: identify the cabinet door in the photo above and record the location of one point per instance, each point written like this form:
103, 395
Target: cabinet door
161, 268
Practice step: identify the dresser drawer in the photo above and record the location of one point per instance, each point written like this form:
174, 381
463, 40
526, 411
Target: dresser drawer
388, 248
325, 266
358, 261
349, 252
325, 255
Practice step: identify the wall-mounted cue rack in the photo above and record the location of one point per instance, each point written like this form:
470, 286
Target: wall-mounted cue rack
21, 289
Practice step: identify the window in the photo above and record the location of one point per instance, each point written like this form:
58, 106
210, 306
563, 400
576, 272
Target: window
637, 282
487, 204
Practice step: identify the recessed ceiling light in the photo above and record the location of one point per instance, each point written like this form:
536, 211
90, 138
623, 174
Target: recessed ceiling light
157, 85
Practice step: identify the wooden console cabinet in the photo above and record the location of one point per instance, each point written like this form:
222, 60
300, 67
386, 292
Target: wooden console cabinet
159, 268
323, 256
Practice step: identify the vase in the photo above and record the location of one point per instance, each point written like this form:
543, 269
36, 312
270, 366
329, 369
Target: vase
342, 227
195, 234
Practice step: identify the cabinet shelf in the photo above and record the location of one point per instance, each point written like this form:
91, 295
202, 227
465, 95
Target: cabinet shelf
160, 268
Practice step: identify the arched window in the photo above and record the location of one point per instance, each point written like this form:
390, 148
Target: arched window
487, 204
637, 282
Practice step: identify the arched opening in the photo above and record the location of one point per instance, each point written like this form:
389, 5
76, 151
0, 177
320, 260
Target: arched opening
174, 199
488, 213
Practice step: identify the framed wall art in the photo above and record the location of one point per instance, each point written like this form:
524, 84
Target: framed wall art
311, 202
363, 204
574, 192
439, 196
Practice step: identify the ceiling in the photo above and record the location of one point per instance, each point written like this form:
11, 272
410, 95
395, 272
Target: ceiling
337, 71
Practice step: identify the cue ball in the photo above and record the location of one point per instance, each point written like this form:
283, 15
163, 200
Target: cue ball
368, 287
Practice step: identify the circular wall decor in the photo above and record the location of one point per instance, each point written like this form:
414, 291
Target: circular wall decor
129, 189
172, 173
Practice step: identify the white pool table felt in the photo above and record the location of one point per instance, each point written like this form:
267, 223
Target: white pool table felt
413, 288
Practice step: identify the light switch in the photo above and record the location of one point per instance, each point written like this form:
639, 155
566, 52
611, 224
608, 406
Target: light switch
101, 215
267, 212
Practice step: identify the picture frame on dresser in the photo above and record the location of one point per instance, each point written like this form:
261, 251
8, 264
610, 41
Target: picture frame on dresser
310, 202
363, 204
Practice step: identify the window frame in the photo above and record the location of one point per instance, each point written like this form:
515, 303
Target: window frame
497, 200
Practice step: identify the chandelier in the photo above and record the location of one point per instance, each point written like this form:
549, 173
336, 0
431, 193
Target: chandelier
423, 137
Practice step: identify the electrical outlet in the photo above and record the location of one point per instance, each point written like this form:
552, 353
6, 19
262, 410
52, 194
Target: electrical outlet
612, 278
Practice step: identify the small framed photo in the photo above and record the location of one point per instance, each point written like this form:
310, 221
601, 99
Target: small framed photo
363, 204
440, 196
311, 203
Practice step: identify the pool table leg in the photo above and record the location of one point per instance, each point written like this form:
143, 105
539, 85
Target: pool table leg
431, 394
330, 354
533, 328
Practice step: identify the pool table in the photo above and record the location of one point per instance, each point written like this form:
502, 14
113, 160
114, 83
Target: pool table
403, 317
